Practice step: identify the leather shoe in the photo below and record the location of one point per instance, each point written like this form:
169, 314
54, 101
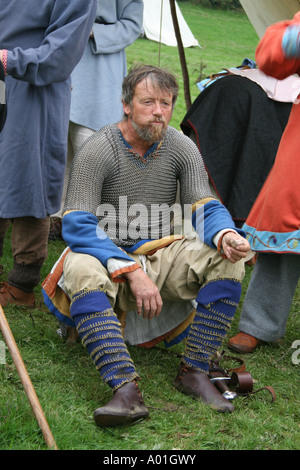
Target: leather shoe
12, 295
125, 407
193, 382
243, 343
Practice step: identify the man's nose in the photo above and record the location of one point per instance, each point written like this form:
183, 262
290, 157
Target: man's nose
157, 109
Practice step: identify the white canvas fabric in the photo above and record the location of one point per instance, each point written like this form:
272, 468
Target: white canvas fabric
158, 24
263, 13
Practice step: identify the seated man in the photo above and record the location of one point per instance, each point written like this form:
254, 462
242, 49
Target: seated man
123, 252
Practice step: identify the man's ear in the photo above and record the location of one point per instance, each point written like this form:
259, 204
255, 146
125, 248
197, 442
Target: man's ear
126, 108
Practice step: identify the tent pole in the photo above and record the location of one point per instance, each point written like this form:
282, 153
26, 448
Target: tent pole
25, 379
184, 69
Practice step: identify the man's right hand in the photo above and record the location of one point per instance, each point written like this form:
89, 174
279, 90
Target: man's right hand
148, 299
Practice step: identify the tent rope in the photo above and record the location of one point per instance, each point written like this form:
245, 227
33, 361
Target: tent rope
160, 30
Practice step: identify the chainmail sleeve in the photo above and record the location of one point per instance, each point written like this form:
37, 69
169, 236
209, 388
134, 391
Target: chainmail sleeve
91, 167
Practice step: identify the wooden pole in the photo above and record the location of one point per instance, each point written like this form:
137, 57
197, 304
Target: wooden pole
27, 384
184, 69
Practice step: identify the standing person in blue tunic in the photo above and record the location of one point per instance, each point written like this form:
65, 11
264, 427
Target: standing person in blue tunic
40, 44
97, 78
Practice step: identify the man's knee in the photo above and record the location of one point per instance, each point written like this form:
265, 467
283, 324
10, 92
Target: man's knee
81, 272
222, 268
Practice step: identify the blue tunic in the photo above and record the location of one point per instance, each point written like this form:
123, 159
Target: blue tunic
45, 40
103, 66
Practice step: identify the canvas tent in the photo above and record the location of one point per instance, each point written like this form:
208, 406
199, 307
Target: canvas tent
263, 13
158, 24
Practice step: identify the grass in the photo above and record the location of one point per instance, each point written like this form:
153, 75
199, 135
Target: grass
68, 386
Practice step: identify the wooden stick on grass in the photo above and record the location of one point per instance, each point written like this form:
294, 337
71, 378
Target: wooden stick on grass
27, 384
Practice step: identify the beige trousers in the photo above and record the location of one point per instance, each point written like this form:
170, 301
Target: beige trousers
178, 270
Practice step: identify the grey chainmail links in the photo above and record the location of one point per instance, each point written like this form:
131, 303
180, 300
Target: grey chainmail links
133, 197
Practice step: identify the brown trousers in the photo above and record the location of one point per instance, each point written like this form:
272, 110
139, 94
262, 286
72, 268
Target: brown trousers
29, 241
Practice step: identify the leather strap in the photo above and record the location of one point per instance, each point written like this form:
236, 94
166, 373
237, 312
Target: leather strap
242, 382
270, 390
236, 378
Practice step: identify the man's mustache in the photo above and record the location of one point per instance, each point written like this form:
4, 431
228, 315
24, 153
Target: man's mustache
157, 120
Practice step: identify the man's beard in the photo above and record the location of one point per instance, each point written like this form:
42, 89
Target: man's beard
150, 133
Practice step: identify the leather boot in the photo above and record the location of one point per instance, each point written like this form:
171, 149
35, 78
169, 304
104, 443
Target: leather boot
243, 343
125, 407
193, 382
12, 295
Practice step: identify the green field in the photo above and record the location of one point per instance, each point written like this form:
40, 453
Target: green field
68, 386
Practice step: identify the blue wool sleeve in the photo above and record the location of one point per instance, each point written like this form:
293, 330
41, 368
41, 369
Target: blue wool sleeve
291, 41
81, 232
210, 219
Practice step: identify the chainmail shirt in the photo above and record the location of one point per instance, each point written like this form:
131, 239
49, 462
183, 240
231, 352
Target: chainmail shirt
132, 196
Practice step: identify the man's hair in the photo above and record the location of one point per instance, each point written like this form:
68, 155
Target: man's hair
159, 77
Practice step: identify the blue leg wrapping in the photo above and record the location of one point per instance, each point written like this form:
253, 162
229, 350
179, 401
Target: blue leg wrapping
217, 303
100, 332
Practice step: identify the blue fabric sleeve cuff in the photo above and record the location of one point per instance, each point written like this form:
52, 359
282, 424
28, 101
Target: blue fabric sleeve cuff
210, 219
81, 232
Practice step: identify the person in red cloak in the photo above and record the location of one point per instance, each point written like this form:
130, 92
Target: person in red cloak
273, 224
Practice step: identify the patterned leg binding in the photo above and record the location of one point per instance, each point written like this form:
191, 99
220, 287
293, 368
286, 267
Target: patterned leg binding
100, 332
217, 303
